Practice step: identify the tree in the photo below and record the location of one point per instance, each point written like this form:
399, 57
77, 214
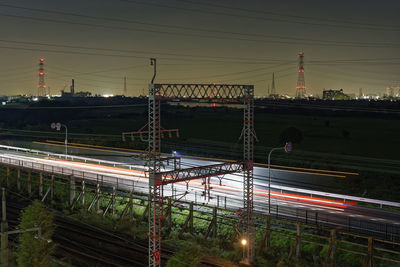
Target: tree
33, 251
346, 134
291, 134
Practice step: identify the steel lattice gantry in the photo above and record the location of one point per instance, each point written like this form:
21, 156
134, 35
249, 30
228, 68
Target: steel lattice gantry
157, 178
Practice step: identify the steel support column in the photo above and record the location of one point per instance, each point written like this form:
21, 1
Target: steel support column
71, 190
29, 184
41, 184
52, 185
98, 198
19, 180
155, 199
83, 195
248, 153
113, 200
8, 177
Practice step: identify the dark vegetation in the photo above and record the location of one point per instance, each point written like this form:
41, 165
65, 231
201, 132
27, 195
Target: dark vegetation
361, 138
33, 251
191, 248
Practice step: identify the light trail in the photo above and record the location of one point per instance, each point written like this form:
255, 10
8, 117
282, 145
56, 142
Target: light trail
288, 200
107, 169
132, 174
339, 174
260, 192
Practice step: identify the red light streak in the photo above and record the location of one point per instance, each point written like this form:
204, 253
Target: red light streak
259, 192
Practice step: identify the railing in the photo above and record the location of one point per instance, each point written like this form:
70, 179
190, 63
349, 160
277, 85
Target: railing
380, 229
311, 193
337, 196
120, 183
72, 157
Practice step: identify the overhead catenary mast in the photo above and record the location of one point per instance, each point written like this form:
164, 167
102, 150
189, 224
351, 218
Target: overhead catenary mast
301, 85
158, 177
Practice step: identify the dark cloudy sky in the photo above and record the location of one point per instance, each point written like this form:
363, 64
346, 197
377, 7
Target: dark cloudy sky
347, 44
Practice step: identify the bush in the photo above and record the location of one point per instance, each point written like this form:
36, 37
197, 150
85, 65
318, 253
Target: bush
32, 251
189, 255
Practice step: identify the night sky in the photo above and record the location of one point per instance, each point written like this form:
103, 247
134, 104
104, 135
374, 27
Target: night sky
347, 44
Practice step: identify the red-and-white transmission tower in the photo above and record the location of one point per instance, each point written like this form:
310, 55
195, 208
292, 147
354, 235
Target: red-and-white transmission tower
42, 84
301, 84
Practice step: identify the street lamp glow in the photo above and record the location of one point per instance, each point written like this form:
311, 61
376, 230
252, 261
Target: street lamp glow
244, 242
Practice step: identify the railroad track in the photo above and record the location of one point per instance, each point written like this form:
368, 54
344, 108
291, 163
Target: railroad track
86, 245
82, 244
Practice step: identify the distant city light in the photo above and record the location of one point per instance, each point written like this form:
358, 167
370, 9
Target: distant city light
107, 95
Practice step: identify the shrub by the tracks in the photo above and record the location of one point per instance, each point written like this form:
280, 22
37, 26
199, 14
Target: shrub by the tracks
189, 255
35, 251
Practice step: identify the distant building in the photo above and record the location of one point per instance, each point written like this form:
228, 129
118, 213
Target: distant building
392, 91
334, 95
72, 90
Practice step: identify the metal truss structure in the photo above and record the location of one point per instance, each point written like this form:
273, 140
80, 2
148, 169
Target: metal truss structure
142, 131
212, 92
301, 84
41, 84
202, 91
182, 175
234, 93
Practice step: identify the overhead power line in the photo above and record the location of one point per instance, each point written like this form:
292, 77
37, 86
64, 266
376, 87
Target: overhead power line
177, 58
185, 27
252, 17
135, 51
319, 20
232, 73
264, 39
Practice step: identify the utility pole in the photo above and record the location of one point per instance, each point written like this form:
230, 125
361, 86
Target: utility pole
4, 230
